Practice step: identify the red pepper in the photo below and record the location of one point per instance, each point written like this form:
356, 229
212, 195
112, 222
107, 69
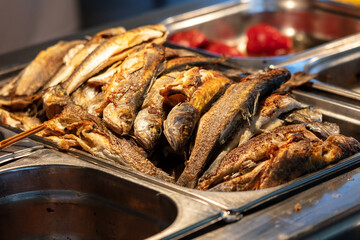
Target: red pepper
221, 48
191, 38
265, 39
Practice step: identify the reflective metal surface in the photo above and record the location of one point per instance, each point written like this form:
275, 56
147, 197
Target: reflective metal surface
51, 195
306, 22
301, 216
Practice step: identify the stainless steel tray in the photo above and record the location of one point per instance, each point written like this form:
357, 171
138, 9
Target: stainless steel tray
307, 22
52, 195
188, 209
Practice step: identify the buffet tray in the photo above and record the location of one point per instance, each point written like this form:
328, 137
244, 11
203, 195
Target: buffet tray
306, 22
183, 210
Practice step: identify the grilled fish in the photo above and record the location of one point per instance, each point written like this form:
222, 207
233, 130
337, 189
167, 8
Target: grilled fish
149, 120
235, 107
126, 91
183, 118
76, 58
74, 127
39, 71
113, 50
276, 157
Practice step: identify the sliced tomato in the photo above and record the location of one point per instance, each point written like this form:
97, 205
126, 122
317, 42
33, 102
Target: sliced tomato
224, 49
191, 38
265, 39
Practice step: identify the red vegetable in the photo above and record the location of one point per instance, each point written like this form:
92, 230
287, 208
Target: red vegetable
221, 48
264, 39
191, 38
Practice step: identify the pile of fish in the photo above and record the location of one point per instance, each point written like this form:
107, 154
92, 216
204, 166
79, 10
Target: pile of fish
171, 113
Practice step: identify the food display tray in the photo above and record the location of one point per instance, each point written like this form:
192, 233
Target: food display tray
73, 183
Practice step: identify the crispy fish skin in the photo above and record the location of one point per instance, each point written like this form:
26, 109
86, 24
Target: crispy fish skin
236, 106
88, 97
126, 91
18, 120
74, 127
265, 119
112, 50
39, 71
182, 88
72, 62
180, 124
182, 119
272, 107
54, 100
297, 155
18, 103
245, 157
149, 120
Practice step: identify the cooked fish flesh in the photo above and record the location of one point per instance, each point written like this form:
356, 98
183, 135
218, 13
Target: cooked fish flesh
54, 100
182, 88
265, 119
88, 97
74, 127
304, 115
276, 157
126, 91
39, 71
149, 120
235, 107
76, 58
18, 120
113, 50
18, 103
272, 107
182, 119
104, 78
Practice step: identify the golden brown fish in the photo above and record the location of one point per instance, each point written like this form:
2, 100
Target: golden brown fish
74, 127
182, 119
277, 157
126, 91
149, 120
182, 88
113, 50
76, 58
39, 71
233, 109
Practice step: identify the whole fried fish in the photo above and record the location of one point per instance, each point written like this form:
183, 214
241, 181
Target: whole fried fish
149, 120
39, 71
74, 127
71, 62
277, 157
126, 91
269, 111
113, 50
265, 119
235, 107
182, 119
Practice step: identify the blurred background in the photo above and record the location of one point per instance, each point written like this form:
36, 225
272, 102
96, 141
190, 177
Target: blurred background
27, 22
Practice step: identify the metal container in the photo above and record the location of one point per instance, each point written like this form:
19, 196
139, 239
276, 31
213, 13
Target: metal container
51, 195
88, 197
306, 22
